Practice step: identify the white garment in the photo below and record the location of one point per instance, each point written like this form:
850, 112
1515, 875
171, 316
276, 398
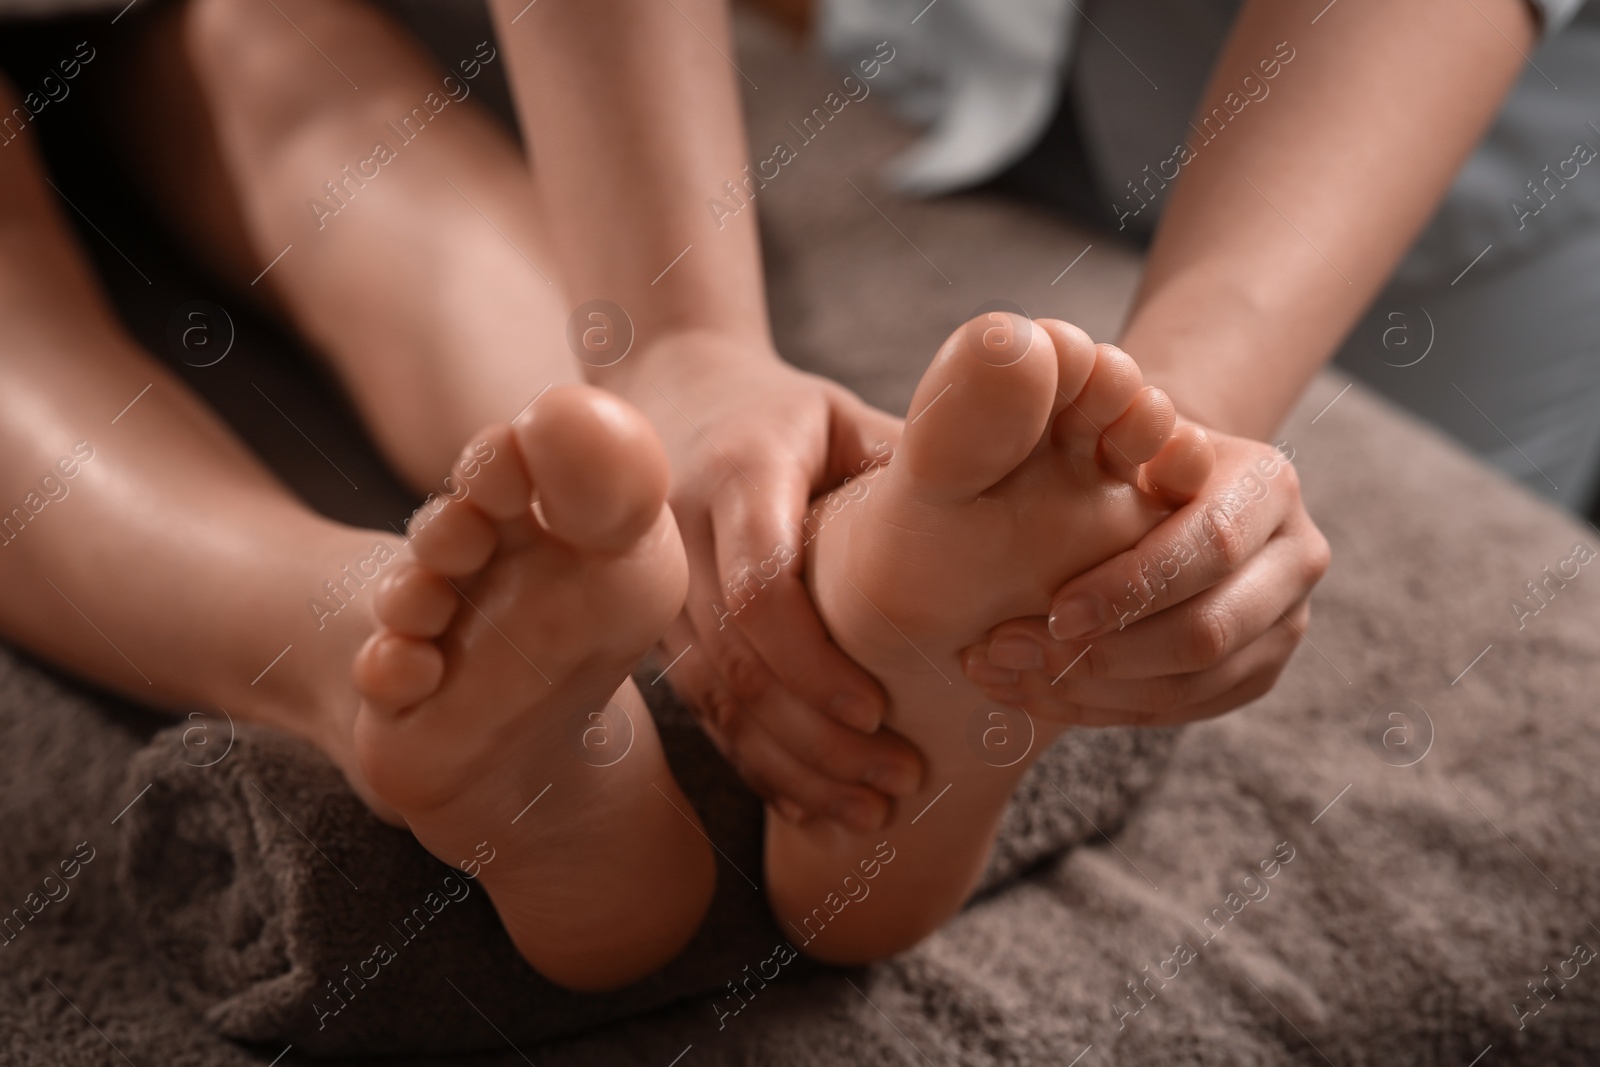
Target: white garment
986, 75
983, 75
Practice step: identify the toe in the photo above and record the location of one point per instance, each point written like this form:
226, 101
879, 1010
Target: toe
982, 406
1181, 468
490, 472
415, 601
1140, 433
1075, 358
598, 467
393, 671
1111, 387
455, 541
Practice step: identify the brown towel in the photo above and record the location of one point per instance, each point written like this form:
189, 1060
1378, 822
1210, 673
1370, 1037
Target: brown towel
285, 912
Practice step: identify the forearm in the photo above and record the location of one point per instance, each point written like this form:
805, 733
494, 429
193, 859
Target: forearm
1283, 228
632, 122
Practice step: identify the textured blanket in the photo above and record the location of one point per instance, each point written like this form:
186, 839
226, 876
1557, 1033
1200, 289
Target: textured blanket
283, 911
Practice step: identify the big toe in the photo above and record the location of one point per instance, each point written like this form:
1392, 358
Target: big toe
982, 406
598, 468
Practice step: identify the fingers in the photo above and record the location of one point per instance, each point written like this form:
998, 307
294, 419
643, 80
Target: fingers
801, 793
1169, 700
883, 760
759, 539
1180, 469
796, 716
764, 761
716, 636
751, 715
1143, 430
1243, 504
820, 763
1197, 634
859, 438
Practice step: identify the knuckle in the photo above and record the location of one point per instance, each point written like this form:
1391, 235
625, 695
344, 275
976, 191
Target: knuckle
1229, 534
1210, 637
719, 711
1170, 694
1319, 556
742, 669
1288, 473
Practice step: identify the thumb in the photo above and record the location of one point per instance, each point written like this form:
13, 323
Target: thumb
860, 437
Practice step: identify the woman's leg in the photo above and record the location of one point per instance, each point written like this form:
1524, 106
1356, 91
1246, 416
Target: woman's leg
141, 544
410, 253
454, 676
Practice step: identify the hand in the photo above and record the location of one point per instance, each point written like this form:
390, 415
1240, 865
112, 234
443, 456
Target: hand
752, 441
1197, 619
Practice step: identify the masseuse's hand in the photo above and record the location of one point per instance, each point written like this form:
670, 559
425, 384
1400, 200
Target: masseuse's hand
1197, 619
752, 441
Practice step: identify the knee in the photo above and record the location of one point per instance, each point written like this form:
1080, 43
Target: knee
233, 42
276, 68
252, 64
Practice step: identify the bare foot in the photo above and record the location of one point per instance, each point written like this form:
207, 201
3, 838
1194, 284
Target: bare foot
497, 706
1030, 455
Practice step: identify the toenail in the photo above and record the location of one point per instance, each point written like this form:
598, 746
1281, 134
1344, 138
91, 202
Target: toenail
1077, 618
896, 779
856, 812
1017, 653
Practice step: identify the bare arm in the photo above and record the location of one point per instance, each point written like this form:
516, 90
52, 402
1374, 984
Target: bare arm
1283, 229
631, 112
633, 121
1280, 231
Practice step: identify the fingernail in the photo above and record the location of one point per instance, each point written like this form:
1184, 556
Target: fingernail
1076, 618
856, 709
896, 779
856, 813
789, 810
984, 673
1017, 653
